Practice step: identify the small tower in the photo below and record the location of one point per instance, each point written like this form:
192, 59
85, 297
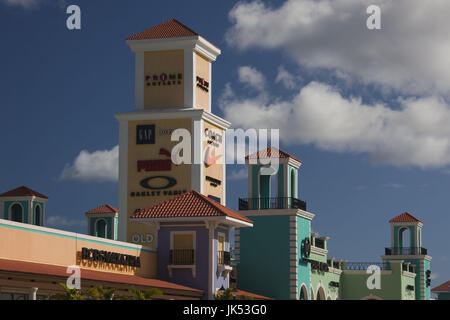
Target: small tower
23, 205
406, 245
103, 222
270, 256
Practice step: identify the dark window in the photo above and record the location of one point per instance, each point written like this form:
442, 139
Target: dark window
16, 213
217, 199
101, 228
38, 216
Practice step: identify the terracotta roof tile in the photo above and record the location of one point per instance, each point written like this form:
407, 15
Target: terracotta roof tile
169, 29
445, 287
404, 217
106, 208
270, 152
189, 204
23, 192
240, 292
60, 271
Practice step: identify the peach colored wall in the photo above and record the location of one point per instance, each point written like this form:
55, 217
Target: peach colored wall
18, 242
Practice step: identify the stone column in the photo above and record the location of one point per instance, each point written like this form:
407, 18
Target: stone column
33, 293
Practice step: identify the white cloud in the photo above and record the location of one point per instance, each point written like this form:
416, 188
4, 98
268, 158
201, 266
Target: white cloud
288, 80
410, 53
59, 221
434, 276
416, 134
394, 185
251, 77
240, 174
22, 3
101, 165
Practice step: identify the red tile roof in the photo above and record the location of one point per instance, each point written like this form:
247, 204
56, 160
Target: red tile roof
445, 287
240, 292
23, 192
60, 271
189, 204
405, 217
106, 208
169, 29
270, 152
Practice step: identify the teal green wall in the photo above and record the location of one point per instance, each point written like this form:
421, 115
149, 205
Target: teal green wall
109, 224
412, 236
288, 193
393, 285
304, 268
264, 257
443, 296
35, 203
24, 204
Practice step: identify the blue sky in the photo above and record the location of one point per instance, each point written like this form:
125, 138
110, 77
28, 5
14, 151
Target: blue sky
366, 111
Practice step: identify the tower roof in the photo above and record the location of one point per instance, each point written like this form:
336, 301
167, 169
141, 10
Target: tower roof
23, 192
169, 29
187, 205
445, 287
404, 217
106, 208
271, 152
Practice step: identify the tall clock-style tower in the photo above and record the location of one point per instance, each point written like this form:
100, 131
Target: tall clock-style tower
173, 83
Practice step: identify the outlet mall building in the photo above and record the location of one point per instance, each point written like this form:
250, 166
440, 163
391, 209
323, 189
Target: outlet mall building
173, 228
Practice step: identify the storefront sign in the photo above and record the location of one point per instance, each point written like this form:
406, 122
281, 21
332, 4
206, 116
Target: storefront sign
213, 137
214, 182
110, 257
202, 84
147, 182
157, 193
156, 165
145, 134
142, 238
317, 265
163, 79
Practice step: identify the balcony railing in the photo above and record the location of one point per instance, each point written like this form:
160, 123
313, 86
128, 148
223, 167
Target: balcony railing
224, 258
182, 257
405, 251
271, 203
366, 265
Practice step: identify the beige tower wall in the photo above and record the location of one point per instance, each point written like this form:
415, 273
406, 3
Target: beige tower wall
163, 94
144, 152
202, 66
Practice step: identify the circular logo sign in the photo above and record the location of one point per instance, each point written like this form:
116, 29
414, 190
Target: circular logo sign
149, 183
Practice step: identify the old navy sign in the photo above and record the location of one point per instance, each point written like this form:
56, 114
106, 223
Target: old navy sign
110, 257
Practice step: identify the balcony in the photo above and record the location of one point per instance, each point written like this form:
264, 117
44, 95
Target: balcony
271, 203
359, 266
182, 257
407, 251
224, 258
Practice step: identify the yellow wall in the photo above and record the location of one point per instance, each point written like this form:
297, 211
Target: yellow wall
41, 245
216, 170
182, 173
202, 71
163, 96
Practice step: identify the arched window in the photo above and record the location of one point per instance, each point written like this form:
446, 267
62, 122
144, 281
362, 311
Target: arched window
101, 228
292, 183
37, 214
404, 241
16, 213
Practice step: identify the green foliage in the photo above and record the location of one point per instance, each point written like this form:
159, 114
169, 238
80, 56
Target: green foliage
99, 293
69, 294
147, 295
229, 294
